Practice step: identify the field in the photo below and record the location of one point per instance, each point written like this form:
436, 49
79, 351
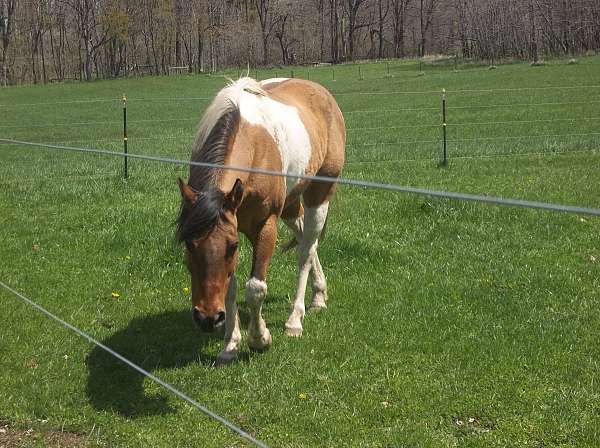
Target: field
450, 324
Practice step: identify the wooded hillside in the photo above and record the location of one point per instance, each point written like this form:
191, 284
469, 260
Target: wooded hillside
50, 40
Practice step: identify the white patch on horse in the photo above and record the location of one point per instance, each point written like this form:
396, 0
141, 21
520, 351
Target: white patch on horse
259, 336
227, 97
256, 289
266, 82
285, 126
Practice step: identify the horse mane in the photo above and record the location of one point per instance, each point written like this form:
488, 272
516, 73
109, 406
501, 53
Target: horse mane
219, 123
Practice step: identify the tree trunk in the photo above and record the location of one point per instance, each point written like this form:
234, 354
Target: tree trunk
333, 15
44, 77
200, 48
399, 20
8, 12
533, 31
422, 28
265, 45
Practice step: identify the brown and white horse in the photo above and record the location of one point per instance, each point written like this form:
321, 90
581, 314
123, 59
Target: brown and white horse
285, 125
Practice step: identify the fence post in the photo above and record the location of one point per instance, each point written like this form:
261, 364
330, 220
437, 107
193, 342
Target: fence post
125, 134
444, 161
388, 68
359, 74
292, 73
333, 73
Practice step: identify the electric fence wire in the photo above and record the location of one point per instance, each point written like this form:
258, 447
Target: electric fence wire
341, 181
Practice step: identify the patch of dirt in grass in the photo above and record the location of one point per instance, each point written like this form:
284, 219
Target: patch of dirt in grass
20, 438
471, 425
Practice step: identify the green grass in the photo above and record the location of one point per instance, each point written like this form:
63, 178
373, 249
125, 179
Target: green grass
449, 323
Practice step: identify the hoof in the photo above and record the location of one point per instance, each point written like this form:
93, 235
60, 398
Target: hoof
225, 358
318, 306
262, 343
319, 301
293, 332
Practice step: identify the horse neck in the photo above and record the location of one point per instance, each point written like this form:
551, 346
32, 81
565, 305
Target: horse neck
239, 155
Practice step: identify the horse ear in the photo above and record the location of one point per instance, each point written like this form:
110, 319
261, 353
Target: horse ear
234, 197
187, 193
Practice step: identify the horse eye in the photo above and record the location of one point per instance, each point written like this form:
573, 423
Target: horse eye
189, 245
231, 248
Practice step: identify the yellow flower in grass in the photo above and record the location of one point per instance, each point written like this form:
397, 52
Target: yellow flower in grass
186, 290
115, 295
302, 396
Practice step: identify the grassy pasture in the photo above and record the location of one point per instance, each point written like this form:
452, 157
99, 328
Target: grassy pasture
449, 323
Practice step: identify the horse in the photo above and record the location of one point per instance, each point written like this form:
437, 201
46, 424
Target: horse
292, 127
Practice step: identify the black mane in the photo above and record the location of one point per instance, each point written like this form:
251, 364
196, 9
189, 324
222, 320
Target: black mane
201, 218
213, 150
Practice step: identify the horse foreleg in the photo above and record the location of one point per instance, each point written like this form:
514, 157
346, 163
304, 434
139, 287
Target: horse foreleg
233, 336
259, 336
314, 220
319, 283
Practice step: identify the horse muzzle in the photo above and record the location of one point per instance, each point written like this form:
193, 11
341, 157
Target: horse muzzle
208, 323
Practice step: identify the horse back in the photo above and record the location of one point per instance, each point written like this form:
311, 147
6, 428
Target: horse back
297, 128
322, 120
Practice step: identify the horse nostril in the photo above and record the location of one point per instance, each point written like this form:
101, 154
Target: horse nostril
219, 318
198, 317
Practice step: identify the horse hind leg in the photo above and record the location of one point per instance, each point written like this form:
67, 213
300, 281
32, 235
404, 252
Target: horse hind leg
319, 283
314, 221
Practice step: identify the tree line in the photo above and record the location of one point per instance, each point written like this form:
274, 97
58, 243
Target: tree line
56, 40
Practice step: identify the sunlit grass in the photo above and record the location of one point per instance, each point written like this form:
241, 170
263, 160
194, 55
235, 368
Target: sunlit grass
449, 324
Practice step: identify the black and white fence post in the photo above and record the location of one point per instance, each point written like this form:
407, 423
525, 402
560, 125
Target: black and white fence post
444, 161
125, 134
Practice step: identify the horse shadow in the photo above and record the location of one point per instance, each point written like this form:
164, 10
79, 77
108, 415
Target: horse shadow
167, 341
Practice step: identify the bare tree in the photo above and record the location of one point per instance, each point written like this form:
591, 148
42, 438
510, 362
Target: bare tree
352, 9
426, 13
90, 33
334, 30
44, 40
383, 8
399, 8
7, 14
265, 11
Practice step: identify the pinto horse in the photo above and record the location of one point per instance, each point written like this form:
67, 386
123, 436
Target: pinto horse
289, 126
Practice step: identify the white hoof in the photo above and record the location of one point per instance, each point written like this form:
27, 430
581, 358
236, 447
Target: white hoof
319, 301
260, 343
293, 332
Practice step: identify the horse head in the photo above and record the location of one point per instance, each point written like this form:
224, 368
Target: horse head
207, 225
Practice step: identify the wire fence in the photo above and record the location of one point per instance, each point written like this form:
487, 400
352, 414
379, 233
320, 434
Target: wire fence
358, 128
359, 125
117, 100
341, 181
